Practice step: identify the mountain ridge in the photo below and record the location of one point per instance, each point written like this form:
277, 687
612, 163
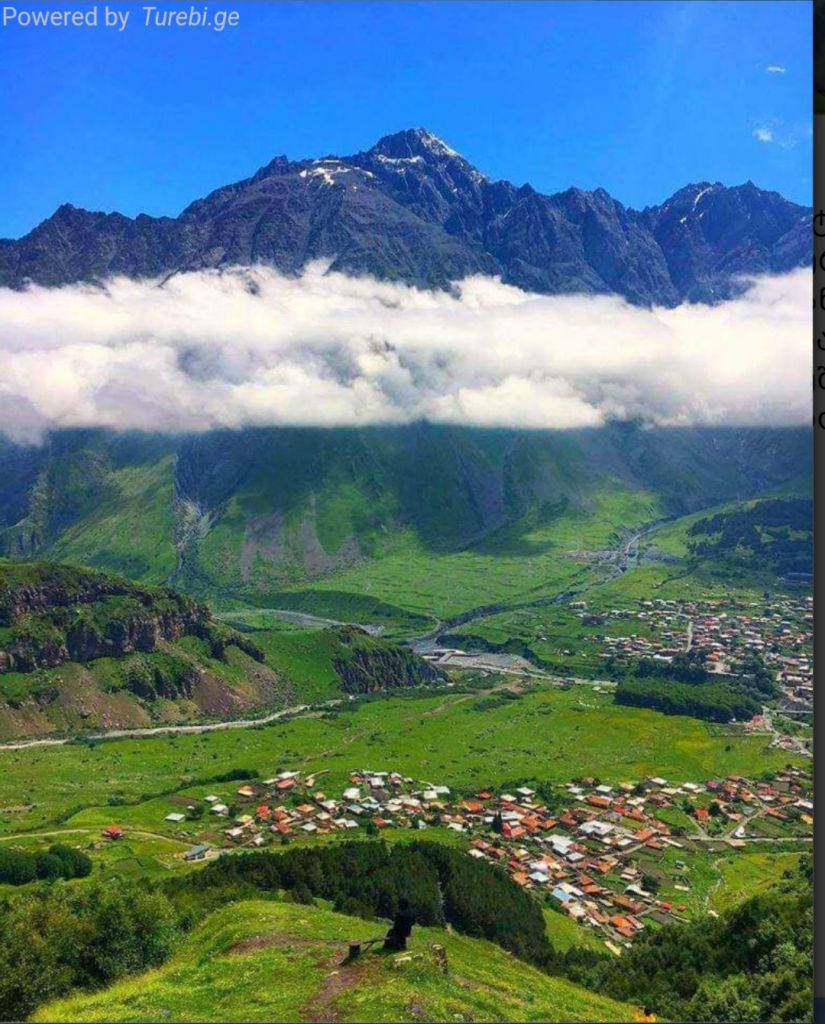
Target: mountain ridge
412, 209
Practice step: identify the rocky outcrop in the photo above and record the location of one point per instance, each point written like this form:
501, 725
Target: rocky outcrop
367, 665
54, 614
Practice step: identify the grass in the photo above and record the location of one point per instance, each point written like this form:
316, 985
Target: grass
565, 933
132, 529
305, 658
717, 878
745, 873
549, 735
532, 558
265, 961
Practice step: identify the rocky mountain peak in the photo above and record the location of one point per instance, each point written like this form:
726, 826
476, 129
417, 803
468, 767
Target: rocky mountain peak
412, 209
412, 142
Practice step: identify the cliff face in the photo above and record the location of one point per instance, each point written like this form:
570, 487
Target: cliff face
50, 614
367, 665
82, 650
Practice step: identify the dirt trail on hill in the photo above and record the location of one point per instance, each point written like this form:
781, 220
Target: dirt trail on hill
339, 973
320, 1009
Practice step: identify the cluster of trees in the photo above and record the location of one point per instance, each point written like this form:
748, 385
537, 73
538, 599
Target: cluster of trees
753, 963
59, 861
683, 686
367, 879
496, 700
716, 702
55, 938
775, 534
685, 667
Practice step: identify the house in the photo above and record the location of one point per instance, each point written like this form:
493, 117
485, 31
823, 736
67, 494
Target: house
175, 816
247, 792
113, 832
197, 852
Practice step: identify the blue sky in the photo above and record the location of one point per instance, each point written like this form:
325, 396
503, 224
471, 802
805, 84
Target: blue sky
640, 98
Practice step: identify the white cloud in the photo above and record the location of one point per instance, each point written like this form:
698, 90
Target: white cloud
776, 69
780, 133
252, 347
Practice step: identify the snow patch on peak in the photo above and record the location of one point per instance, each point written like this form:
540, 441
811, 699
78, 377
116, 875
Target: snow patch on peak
701, 193
436, 145
400, 160
328, 168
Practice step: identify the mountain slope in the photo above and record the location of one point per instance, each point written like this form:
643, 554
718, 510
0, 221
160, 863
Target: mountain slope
247, 514
81, 651
262, 961
412, 209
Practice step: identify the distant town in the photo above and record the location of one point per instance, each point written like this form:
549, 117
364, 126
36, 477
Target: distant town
584, 856
779, 630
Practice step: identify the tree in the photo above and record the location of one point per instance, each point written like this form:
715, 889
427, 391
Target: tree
47, 866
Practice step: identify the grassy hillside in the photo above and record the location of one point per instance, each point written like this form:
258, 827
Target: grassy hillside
265, 961
417, 520
84, 650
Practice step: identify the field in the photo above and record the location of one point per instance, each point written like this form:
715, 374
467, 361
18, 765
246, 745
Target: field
549, 734
528, 560
265, 961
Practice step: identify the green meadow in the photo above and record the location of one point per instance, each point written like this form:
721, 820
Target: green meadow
549, 734
534, 558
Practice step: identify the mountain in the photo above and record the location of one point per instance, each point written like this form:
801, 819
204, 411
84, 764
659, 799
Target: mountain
412, 209
83, 650
396, 523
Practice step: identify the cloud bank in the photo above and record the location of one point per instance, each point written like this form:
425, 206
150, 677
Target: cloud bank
253, 348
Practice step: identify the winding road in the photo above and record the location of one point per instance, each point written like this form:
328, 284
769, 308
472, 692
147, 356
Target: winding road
166, 730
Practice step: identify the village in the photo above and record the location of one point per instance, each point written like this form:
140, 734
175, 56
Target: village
779, 630
591, 855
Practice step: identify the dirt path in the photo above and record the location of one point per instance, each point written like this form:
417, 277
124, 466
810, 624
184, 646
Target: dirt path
320, 1008
89, 828
338, 974
165, 730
